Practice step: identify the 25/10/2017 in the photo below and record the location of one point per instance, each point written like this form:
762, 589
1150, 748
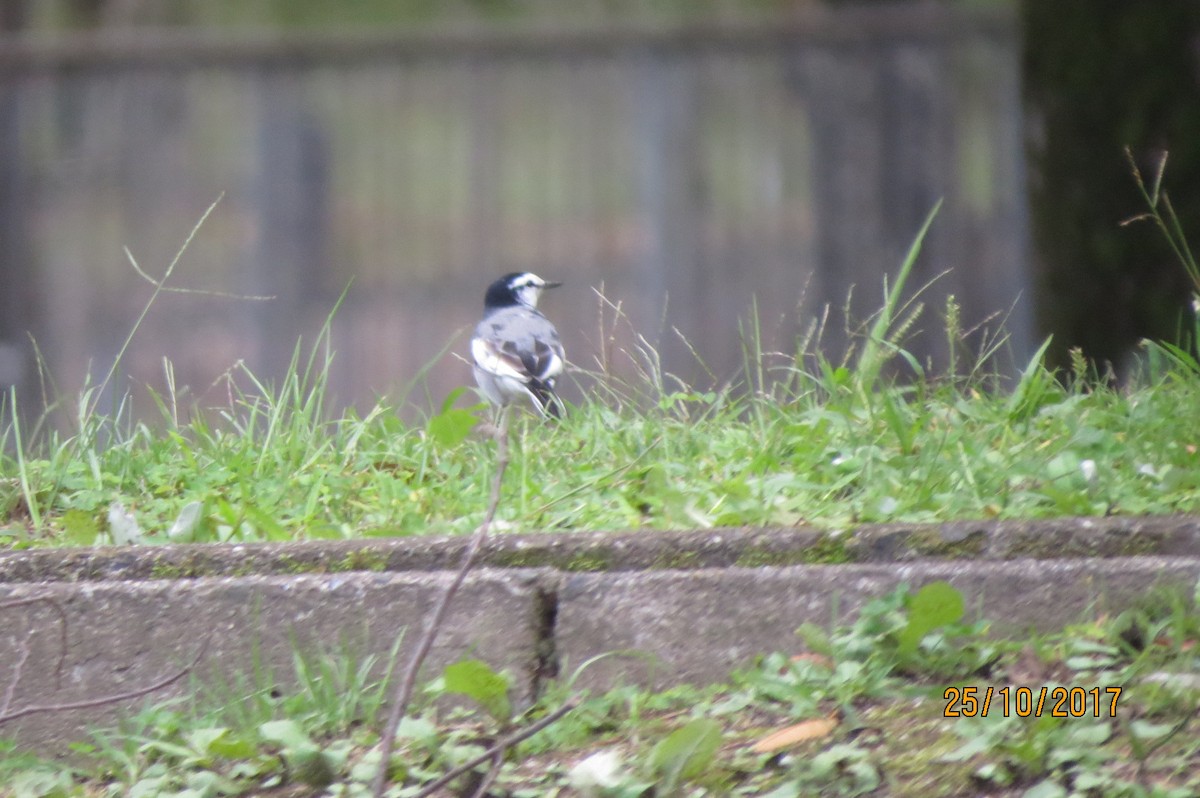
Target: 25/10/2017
1024, 702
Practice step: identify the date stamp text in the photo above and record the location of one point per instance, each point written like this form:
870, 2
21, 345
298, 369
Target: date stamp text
1024, 702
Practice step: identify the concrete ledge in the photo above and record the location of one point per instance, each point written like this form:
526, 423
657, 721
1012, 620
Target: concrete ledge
685, 599
697, 626
125, 635
1177, 535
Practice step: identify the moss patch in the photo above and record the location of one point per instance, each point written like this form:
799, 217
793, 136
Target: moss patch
165, 569
361, 560
522, 558
929, 542
678, 561
588, 561
825, 550
828, 550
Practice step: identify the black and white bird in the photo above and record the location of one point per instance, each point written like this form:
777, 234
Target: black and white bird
515, 350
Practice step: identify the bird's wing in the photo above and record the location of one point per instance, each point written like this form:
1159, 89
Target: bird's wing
490, 356
544, 362
524, 347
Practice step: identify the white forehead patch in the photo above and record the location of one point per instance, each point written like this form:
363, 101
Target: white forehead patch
527, 289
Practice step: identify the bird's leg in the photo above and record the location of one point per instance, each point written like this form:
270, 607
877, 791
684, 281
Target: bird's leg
500, 422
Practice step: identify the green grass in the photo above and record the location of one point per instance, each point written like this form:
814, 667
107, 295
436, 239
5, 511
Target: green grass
269, 471
800, 439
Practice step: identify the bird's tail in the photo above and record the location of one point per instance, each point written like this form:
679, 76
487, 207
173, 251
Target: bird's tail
547, 400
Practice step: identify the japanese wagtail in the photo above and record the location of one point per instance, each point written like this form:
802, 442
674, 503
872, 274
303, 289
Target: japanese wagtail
515, 350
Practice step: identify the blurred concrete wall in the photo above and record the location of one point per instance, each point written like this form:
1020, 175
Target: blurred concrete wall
687, 171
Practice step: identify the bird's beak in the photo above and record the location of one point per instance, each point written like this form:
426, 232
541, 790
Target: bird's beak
550, 285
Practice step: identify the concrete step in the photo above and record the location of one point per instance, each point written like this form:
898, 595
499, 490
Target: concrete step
694, 605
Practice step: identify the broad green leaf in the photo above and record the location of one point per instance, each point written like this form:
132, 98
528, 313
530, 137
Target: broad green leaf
477, 680
687, 751
1145, 730
80, 528
419, 729
935, 605
219, 741
203, 739
451, 425
286, 733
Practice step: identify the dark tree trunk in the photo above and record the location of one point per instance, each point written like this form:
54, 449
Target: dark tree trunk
1101, 76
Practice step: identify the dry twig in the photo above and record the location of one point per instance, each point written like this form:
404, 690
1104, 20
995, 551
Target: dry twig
437, 618
496, 751
108, 699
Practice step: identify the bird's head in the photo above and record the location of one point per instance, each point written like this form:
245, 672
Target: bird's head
516, 289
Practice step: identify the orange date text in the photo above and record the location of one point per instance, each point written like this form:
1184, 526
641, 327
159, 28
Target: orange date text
1025, 702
